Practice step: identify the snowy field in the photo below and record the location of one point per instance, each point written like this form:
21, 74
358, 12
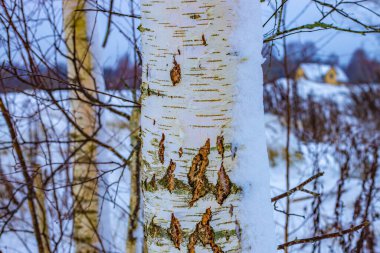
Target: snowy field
306, 159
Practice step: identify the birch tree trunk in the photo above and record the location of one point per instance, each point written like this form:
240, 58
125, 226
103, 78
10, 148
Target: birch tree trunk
85, 189
135, 189
38, 179
206, 178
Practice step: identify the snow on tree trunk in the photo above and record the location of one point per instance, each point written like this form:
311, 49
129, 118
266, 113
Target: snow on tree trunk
85, 190
206, 174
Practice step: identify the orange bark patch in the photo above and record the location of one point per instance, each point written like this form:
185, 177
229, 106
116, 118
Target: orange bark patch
176, 232
170, 176
161, 149
223, 186
197, 174
175, 73
180, 152
204, 233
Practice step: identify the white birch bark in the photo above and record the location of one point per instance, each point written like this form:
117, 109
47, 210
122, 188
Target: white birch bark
80, 72
201, 175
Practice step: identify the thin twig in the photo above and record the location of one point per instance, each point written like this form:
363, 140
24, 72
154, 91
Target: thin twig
297, 188
322, 237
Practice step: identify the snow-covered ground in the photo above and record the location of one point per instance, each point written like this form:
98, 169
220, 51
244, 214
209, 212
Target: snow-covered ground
306, 159
113, 185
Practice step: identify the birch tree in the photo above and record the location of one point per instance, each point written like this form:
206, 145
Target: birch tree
206, 178
85, 189
135, 186
38, 180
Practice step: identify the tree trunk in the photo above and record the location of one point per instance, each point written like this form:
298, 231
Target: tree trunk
206, 174
80, 68
38, 179
135, 189
28, 179
41, 210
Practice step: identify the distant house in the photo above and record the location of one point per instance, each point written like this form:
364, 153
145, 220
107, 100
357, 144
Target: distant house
321, 73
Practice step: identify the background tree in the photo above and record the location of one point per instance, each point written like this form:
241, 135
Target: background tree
80, 73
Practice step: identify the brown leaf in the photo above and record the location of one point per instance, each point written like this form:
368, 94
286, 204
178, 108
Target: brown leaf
161, 149
176, 232
223, 185
197, 174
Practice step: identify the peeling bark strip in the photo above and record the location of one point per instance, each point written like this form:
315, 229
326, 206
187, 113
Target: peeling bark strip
175, 73
197, 174
169, 177
220, 145
223, 186
161, 149
176, 232
204, 233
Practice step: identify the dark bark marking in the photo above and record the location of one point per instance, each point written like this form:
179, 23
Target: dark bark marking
231, 210
152, 182
220, 145
180, 152
195, 16
204, 42
161, 149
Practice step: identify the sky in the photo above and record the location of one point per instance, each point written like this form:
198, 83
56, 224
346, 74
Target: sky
298, 12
